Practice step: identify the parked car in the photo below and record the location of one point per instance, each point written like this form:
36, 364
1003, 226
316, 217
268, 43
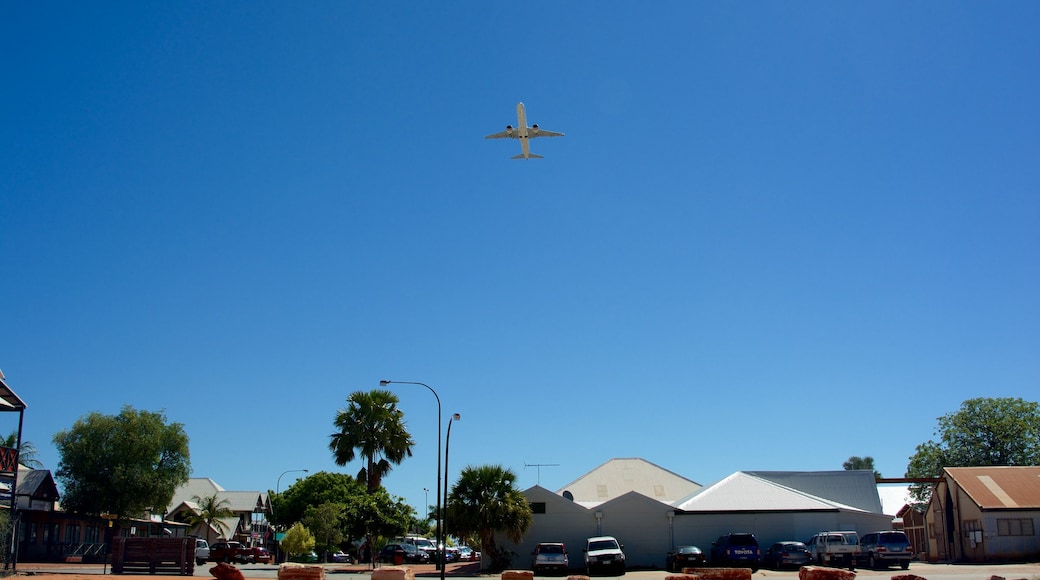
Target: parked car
261, 555
403, 553
342, 557
604, 553
201, 551
882, 549
684, 557
466, 554
835, 549
786, 554
736, 549
550, 557
228, 551
306, 558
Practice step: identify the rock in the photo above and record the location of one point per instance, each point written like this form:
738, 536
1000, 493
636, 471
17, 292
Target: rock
393, 573
824, 573
224, 571
294, 571
517, 575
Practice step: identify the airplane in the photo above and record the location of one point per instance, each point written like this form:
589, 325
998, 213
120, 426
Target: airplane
523, 133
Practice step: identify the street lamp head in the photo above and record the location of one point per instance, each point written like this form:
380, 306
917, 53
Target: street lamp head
456, 416
384, 383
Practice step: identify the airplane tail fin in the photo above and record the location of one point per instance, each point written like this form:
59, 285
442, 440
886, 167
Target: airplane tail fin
530, 156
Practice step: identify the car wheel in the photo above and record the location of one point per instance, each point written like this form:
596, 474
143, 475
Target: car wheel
199, 562
904, 565
871, 562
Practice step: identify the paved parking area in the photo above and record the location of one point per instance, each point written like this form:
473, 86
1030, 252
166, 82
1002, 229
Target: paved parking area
1030, 571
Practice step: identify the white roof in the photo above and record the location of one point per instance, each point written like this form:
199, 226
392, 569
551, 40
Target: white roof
745, 492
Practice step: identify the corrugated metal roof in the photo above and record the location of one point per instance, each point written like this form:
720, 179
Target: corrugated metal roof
857, 488
1002, 487
743, 491
617, 477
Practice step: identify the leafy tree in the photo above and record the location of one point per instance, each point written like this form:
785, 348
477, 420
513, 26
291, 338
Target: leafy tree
373, 428
123, 464
212, 511
298, 540
485, 500
326, 522
26, 453
362, 512
855, 463
984, 431
291, 505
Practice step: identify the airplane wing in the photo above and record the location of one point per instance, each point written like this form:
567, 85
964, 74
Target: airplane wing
543, 133
502, 135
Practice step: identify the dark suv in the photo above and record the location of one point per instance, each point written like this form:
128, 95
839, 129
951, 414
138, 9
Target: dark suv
738, 550
882, 549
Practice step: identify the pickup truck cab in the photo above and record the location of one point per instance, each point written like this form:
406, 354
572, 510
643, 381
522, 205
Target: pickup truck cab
835, 549
201, 551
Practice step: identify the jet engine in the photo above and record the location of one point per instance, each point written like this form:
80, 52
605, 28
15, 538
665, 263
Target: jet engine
509, 128
534, 128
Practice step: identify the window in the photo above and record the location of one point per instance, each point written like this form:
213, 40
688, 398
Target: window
72, 533
538, 507
93, 533
1015, 527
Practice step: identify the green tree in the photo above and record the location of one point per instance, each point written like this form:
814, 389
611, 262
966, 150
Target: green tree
485, 500
984, 431
212, 511
125, 464
298, 540
373, 428
855, 463
26, 453
377, 512
326, 523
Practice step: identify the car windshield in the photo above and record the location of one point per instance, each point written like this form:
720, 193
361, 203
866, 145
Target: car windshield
744, 540
551, 549
423, 543
689, 550
892, 537
603, 545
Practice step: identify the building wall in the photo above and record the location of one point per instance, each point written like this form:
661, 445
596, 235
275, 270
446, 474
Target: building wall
960, 531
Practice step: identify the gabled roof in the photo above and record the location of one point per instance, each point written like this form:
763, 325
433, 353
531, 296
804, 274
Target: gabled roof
1002, 487
746, 492
37, 484
617, 477
856, 488
237, 501
538, 493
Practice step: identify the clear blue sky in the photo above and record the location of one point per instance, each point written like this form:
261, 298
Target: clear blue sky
776, 234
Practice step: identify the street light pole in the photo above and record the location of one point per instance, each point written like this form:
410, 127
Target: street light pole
278, 484
383, 383
447, 445
277, 491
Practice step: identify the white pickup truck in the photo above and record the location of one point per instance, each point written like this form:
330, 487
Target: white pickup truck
835, 549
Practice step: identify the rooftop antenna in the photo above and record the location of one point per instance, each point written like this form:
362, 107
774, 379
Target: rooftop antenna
540, 466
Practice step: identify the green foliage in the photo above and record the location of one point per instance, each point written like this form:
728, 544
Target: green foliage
298, 540
361, 512
485, 500
326, 522
984, 431
124, 464
5, 537
211, 511
371, 427
855, 463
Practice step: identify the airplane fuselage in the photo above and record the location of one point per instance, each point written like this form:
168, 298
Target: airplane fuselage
521, 131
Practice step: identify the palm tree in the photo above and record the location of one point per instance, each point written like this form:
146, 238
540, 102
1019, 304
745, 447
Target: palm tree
484, 501
211, 512
371, 427
26, 453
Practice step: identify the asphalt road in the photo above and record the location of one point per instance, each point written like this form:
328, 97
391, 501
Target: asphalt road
340, 571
